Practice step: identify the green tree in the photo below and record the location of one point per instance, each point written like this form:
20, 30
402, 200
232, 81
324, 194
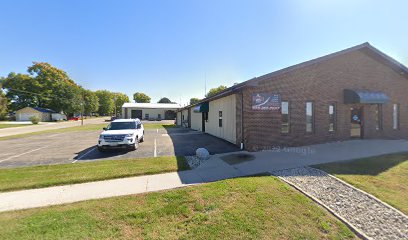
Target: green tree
194, 100
3, 103
164, 100
20, 89
141, 98
120, 99
214, 91
63, 93
106, 102
91, 102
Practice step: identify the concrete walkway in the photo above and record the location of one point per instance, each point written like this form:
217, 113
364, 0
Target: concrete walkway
213, 169
47, 126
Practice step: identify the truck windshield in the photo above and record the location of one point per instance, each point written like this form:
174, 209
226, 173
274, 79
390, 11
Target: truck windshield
121, 125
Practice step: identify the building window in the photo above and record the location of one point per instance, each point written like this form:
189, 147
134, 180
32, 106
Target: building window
146, 116
159, 116
309, 117
395, 115
285, 117
220, 118
332, 117
378, 117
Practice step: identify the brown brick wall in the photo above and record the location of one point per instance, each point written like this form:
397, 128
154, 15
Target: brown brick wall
323, 83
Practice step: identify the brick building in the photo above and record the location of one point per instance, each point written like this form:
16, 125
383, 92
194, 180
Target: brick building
359, 92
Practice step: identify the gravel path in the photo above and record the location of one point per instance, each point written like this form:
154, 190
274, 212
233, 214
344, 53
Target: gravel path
368, 215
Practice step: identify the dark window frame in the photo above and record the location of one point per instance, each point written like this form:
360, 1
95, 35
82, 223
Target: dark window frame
313, 117
334, 104
219, 118
288, 121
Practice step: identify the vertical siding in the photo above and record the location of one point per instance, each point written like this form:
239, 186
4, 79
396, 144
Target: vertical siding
228, 107
184, 122
178, 119
196, 121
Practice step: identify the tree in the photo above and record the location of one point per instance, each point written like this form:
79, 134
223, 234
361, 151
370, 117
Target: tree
106, 102
141, 98
194, 100
164, 100
214, 91
120, 99
3, 104
19, 90
63, 93
91, 102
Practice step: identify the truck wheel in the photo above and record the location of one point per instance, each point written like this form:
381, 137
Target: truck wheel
134, 146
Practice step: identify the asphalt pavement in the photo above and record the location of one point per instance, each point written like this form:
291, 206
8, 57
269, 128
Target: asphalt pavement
77, 147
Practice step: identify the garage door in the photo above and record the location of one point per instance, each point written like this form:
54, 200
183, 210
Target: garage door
26, 116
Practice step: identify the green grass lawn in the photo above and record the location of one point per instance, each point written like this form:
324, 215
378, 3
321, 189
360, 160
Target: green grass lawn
86, 127
50, 175
2, 125
385, 177
242, 208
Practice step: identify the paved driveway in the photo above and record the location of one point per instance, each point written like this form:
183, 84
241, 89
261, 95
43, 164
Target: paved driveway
76, 147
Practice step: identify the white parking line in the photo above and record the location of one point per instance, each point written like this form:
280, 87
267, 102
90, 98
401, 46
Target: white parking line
21, 154
155, 148
157, 130
83, 155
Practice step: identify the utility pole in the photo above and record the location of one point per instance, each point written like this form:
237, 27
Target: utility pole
82, 108
205, 84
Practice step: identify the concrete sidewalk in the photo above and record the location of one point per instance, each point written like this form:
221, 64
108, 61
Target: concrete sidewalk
285, 158
213, 169
110, 188
48, 126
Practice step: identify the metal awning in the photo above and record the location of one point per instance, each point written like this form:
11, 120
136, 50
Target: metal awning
203, 107
364, 96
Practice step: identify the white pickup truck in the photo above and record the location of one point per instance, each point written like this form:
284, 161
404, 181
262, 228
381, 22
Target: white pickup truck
122, 133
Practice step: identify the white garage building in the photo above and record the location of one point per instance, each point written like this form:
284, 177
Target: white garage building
150, 111
26, 113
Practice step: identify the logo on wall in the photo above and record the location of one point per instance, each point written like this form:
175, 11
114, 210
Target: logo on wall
266, 102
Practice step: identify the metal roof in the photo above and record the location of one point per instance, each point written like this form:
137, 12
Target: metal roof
254, 81
43, 110
152, 105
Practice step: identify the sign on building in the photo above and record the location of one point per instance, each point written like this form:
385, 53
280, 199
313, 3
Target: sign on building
266, 102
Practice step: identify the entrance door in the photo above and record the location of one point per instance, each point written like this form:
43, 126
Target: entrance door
136, 114
356, 122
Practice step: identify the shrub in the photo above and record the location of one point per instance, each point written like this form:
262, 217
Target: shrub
35, 119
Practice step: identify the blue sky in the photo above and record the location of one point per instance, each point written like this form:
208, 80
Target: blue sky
168, 48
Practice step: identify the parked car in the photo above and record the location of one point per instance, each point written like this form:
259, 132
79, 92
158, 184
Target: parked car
74, 118
122, 133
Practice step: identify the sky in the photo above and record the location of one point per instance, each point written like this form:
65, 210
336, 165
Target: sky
172, 48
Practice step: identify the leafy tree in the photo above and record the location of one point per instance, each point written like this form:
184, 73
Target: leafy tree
65, 93
194, 100
214, 91
91, 102
120, 99
164, 100
106, 102
3, 104
20, 89
141, 98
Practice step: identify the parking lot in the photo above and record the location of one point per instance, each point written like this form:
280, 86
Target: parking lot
76, 147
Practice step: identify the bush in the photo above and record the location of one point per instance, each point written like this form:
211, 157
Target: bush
35, 119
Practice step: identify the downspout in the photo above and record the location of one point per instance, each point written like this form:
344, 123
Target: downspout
242, 120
